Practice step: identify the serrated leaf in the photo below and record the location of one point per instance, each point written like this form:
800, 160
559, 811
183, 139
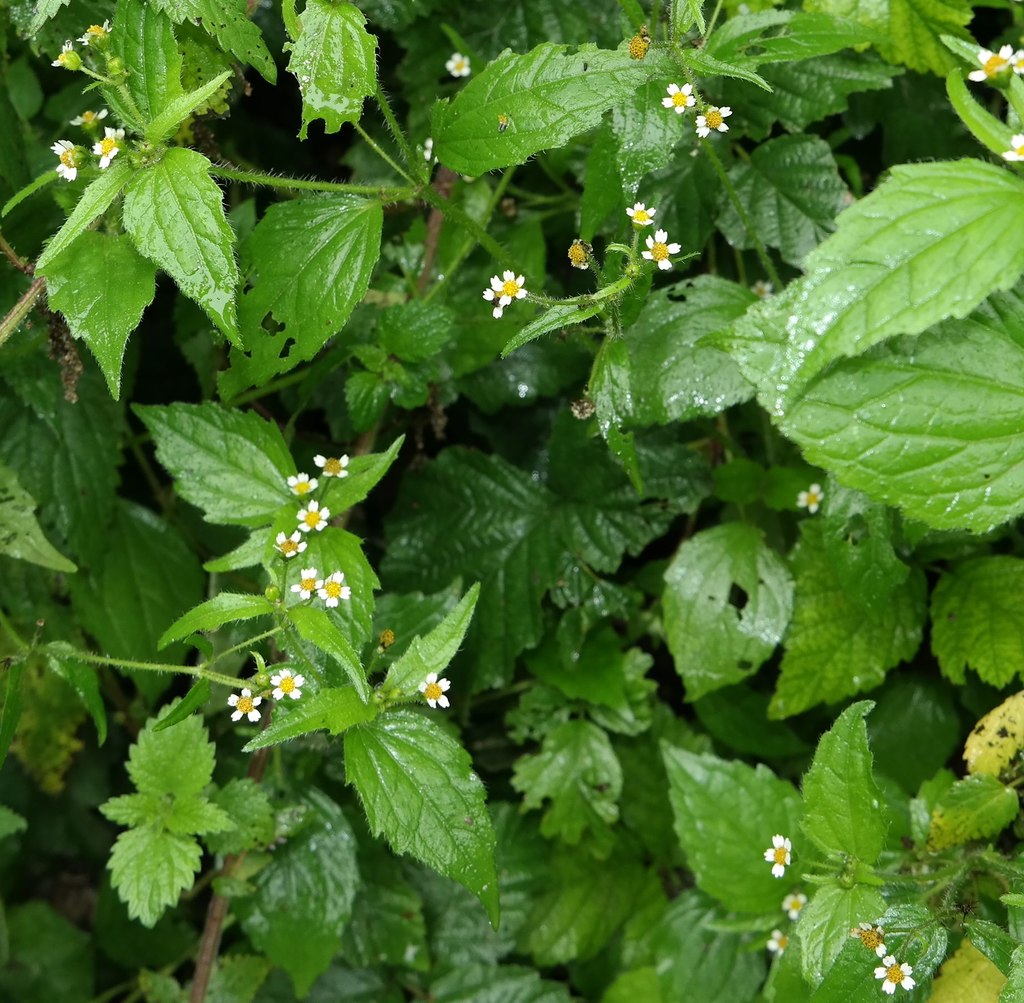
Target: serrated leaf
996, 739
791, 192
1014, 989
418, 790
102, 285
841, 799
232, 464
336, 710
307, 265
715, 639
993, 942
177, 762
974, 808
646, 135
549, 95
44, 10
150, 868
708, 66
225, 607
142, 36
364, 473
237, 978
976, 621
825, 924
314, 625
553, 319
834, 647
726, 814
577, 771
21, 536
176, 111
248, 807
174, 212
335, 61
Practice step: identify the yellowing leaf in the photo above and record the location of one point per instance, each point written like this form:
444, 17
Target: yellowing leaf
968, 977
996, 738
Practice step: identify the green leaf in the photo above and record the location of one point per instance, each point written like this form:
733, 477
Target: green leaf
142, 36
197, 696
791, 191
237, 978
248, 806
727, 602
909, 30
841, 798
902, 424
225, 607
163, 125
836, 648
10, 822
705, 65
364, 473
314, 625
824, 928
432, 652
44, 10
336, 710
150, 868
102, 285
993, 942
602, 189
176, 762
726, 815
500, 984
21, 536
174, 212
335, 62
1013, 991
577, 771
975, 620
417, 788
988, 130
646, 135
232, 464
303, 897
553, 319
549, 95
799, 36
974, 808
95, 201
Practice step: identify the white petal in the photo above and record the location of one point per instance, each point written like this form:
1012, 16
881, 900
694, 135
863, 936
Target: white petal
443, 701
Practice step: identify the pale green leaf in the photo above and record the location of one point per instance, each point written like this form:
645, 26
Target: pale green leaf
44, 10
225, 607
10, 822
418, 790
976, 807
174, 212
825, 924
988, 130
335, 61
150, 868
334, 710
175, 112
21, 536
176, 762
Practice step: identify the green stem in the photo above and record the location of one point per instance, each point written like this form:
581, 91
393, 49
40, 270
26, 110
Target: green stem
385, 194
200, 671
759, 248
408, 153
13, 257
21, 309
714, 17
379, 150
12, 633
460, 218
245, 644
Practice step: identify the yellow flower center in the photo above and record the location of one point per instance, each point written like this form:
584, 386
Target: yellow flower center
333, 590
994, 64
713, 117
870, 939
638, 46
780, 851
796, 905
332, 467
312, 519
1019, 150
64, 58
894, 974
813, 498
244, 704
679, 99
510, 289
387, 637
433, 691
642, 215
287, 684
88, 117
108, 146
96, 29
783, 942
659, 252
307, 584
301, 487
289, 547
67, 158
577, 255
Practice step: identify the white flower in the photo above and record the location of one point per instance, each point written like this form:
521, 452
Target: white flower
88, 118
894, 974
290, 546
713, 118
1017, 62
779, 855
509, 287
69, 157
1016, 151
109, 146
679, 98
793, 903
313, 517
458, 65
307, 584
434, 690
302, 484
245, 704
331, 590
992, 63
428, 149
762, 289
778, 942
287, 685
872, 937
332, 466
641, 215
68, 58
95, 33
811, 498
659, 250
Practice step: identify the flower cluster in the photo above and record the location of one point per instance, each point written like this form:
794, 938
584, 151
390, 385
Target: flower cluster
995, 64
72, 157
811, 499
285, 683
330, 589
711, 119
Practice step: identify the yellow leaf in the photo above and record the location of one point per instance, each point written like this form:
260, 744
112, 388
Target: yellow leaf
996, 738
968, 977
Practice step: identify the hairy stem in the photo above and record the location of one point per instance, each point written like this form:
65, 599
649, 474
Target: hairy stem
22, 309
384, 193
379, 150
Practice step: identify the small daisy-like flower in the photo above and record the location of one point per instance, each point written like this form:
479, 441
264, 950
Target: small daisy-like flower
89, 118
70, 158
109, 146
659, 249
434, 690
779, 855
302, 484
641, 215
872, 937
287, 685
245, 705
332, 591
679, 98
712, 119
894, 975
1017, 62
290, 546
792, 904
68, 58
307, 584
811, 498
332, 466
778, 942
762, 289
1016, 151
992, 63
579, 256
509, 287
96, 34
458, 65
313, 517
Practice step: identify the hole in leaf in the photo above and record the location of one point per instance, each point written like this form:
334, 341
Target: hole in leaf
737, 596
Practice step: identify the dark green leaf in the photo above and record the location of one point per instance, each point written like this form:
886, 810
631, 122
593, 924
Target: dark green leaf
196, 697
317, 627
142, 36
645, 132
502, 984
248, 805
